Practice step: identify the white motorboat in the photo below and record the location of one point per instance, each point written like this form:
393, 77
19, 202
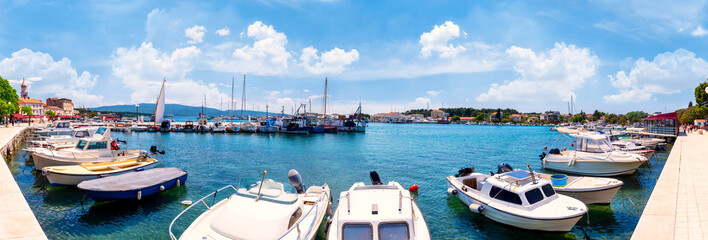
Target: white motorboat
219, 126
592, 155
75, 174
377, 212
249, 126
517, 199
589, 190
56, 142
60, 128
262, 209
87, 150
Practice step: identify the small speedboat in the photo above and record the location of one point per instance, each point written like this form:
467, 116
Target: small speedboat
134, 185
262, 209
75, 174
589, 190
377, 212
519, 199
60, 128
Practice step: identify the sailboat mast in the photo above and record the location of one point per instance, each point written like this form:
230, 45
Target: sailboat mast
232, 100
324, 116
243, 95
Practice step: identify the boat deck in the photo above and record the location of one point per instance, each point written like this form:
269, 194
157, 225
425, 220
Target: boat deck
677, 208
18, 220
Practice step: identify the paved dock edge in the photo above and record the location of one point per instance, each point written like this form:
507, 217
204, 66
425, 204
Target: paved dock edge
17, 221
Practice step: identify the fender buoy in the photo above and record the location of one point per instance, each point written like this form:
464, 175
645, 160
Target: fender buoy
452, 191
178, 182
162, 188
413, 188
476, 208
140, 195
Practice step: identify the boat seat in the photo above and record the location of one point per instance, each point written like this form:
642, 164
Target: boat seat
471, 182
314, 189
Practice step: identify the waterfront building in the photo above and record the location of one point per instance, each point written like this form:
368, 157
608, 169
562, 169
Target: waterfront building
494, 115
36, 105
65, 104
550, 116
416, 117
666, 123
393, 117
700, 122
532, 120
438, 114
517, 117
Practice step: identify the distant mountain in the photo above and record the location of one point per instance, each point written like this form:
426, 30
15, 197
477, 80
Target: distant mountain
179, 110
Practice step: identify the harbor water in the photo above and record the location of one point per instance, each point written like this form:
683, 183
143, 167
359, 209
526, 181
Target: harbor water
422, 154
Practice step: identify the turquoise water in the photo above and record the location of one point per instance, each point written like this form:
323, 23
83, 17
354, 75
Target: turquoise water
406, 153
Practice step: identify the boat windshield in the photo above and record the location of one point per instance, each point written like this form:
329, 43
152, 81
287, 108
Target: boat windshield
393, 231
81, 144
357, 232
269, 190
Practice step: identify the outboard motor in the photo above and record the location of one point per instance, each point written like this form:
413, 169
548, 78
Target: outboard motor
154, 150
296, 180
375, 180
504, 167
121, 141
464, 172
554, 151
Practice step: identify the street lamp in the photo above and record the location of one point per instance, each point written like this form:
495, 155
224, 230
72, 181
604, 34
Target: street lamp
137, 106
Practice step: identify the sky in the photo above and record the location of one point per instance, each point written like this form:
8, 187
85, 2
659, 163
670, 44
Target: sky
533, 56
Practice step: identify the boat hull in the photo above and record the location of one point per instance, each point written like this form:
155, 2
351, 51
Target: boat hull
42, 161
594, 168
136, 194
352, 129
61, 179
602, 196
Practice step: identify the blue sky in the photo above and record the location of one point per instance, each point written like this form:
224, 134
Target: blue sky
390, 55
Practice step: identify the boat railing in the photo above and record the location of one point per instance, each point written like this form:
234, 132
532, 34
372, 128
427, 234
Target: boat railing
316, 206
172, 236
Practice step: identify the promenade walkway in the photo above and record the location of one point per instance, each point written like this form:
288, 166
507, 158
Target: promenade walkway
678, 206
16, 218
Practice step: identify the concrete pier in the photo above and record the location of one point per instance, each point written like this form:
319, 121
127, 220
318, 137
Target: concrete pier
17, 221
678, 206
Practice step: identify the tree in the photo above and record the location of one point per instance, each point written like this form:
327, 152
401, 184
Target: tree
701, 95
27, 110
611, 118
481, 117
50, 113
8, 98
455, 118
597, 115
622, 120
690, 104
636, 116
688, 115
499, 114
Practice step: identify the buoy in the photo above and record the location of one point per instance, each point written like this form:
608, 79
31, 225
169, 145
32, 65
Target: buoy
476, 208
178, 182
413, 188
451, 191
162, 188
140, 195
545, 147
187, 202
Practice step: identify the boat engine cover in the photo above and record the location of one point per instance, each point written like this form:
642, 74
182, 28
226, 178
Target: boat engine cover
296, 180
504, 167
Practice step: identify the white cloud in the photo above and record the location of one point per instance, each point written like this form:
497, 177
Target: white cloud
434, 93
223, 32
196, 34
49, 78
548, 76
267, 55
668, 73
437, 41
333, 61
699, 32
142, 70
650, 19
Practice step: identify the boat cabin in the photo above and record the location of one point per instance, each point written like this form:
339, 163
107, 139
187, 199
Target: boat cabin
375, 212
247, 212
517, 187
596, 143
63, 125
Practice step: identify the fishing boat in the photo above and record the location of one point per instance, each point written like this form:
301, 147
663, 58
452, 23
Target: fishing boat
354, 123
325, 126
249, 126
219, 126
74, 174
377, 212
134, 185
519, 199
188, 126
267, 126
262, 209
593, 155
60, 128
202, 125
100, 148
292, 125
589, 190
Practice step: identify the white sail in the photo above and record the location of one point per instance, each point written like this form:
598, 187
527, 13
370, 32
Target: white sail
160, 105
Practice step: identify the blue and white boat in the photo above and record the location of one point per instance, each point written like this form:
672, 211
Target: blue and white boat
134, 185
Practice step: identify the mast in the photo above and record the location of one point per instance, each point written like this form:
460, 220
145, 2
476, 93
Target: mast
324, 116
266, 111
243, 95
160, 103
232, 100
